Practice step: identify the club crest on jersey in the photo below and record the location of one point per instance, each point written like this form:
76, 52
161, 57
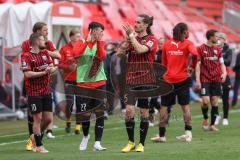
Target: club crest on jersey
205, 52
215, 51
24, 64
150, 43
44, 57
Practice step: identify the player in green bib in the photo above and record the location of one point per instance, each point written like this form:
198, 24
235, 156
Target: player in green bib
91, 77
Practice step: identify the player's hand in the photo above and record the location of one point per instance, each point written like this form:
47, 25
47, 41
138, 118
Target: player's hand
223, 77
128, 29
190, 71
48, 70
73, 67
198, 85
89, 37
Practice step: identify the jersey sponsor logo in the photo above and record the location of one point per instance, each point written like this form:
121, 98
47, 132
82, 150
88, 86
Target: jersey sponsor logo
176, 53
205, 52
215, 58
150, 43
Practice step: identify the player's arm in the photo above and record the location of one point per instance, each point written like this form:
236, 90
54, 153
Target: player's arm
32, 74
54, 54
51, 68
223, 68
164, 56
133, 41
192, 49
63, 63
198, 69
197, 72
79, 48
101, 52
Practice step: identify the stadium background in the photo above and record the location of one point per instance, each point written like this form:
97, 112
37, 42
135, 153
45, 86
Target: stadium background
18, 16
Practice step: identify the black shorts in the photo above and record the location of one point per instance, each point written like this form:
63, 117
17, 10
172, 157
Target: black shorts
211, 89
141, 102
39, 104
85, 105
181, 91
227, 84
70, 94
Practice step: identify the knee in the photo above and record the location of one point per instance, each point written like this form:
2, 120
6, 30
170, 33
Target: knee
144, 113
129, 111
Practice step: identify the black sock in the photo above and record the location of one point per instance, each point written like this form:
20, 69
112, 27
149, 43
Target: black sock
68, 124
85, 127
144, 124
42, 134
225, 112
99, 128
130, 124
38, 140
49, 131
30, 124
162, 131
213, 114
205, 111
188, 128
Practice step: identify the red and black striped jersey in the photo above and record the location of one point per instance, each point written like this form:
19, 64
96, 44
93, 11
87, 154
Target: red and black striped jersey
36, 62
210, 58
139, 64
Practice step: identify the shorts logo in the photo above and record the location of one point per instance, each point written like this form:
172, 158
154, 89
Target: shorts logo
34, 107
203, 91
83, 107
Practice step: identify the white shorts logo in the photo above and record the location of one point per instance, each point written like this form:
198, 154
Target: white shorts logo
203, 91
34, 107
83, 107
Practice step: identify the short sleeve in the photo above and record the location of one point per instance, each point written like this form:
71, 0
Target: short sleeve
25, 63
152, 44
51, 46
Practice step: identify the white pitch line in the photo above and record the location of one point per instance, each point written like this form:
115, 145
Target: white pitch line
107, 129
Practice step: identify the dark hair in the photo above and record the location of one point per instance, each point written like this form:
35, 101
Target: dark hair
34, 37
147, 20
73, 32
178, 31
38, 26
94, 25
210, 33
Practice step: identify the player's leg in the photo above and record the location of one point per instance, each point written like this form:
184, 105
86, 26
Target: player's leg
36, 108
68, 112
84, 115
225, 97
130, 124
30, 142
99, 125
144, 123
47, 115
183, 95
215, 92
166, 101
205, 94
